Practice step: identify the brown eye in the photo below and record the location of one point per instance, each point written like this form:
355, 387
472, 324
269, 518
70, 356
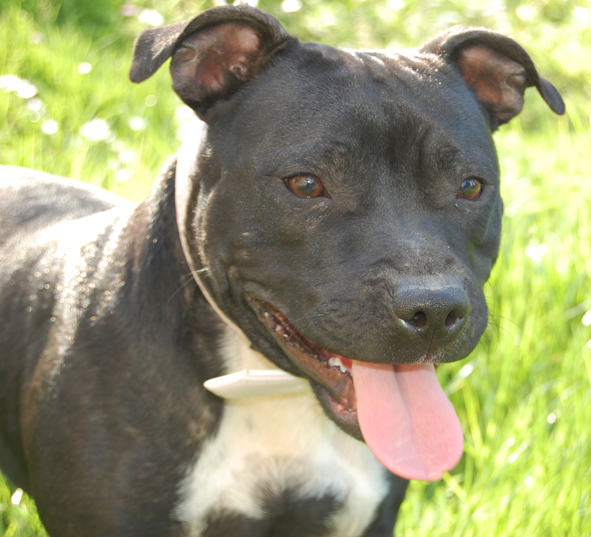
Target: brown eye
470, 189
305, 186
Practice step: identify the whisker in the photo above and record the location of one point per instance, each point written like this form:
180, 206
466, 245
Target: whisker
186, 279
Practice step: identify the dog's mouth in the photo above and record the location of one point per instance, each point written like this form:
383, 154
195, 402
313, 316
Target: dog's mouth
399, 410
330, 373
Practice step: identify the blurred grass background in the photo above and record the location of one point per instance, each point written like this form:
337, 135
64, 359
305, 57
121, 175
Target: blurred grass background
524, 395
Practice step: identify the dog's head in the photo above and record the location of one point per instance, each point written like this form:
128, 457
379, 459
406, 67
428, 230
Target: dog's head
342, 208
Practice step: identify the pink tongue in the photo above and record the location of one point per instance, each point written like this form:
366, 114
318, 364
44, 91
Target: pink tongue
407, 420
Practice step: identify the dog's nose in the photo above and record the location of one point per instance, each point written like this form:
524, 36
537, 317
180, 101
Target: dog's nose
436, 311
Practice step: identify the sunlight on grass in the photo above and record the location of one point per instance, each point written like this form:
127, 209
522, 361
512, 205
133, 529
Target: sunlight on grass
524, 395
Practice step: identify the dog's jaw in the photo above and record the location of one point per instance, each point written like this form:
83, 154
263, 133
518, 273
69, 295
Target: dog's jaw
329, 373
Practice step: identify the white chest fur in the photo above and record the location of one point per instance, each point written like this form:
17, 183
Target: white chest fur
274, 443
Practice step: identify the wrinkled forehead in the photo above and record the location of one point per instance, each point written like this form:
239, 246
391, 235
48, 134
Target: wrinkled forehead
315, 96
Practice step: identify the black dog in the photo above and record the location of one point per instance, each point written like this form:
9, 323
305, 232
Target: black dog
335, 204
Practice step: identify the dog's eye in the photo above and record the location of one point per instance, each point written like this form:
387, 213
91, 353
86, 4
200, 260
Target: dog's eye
470, 189
305, 186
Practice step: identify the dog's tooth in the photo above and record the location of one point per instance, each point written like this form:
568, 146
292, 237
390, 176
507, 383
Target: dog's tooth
336, 362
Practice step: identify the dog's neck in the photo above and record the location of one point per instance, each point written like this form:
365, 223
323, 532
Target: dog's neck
174, 282
185, 194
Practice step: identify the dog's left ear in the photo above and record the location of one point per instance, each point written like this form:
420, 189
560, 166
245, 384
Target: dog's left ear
496, 68
212, 54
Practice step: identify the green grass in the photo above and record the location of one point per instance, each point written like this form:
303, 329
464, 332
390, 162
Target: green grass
524, 395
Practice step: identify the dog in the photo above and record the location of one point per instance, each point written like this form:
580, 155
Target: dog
330, 224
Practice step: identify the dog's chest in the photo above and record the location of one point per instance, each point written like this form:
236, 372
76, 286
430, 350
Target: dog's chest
278, 466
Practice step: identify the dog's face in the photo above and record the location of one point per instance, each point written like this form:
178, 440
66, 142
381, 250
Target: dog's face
341, 205
345, 206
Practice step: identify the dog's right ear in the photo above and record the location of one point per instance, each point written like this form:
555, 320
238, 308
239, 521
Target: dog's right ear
212, 54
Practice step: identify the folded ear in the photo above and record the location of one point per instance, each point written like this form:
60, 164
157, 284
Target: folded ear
496, 68
212, 54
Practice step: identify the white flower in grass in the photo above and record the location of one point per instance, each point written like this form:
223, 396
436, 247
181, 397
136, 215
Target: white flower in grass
23, 88
396, 5
151, 17
127, 156
50, 127
84, 68
583, 15
136, 123
526, 12
536, 253
290, 6
587, 318
123, 175
36, 104
96, 130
